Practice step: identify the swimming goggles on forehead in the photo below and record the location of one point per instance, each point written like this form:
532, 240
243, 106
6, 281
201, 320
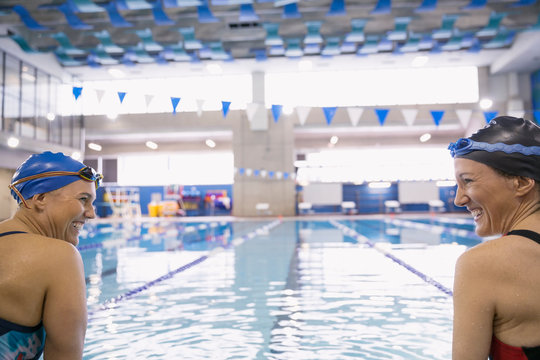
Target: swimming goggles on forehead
464, 146
86, 173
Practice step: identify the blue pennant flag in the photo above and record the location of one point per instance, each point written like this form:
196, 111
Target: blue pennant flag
175, 101
270, 174
77, 91
437, 116
276, 112
489, 115
241, 171
121, 96
329, 113
381, 114
225, 107
536, 115
285, 175
256, 172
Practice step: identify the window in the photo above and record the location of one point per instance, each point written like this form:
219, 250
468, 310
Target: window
373, 87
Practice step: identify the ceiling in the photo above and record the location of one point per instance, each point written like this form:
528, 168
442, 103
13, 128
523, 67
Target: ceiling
88, 36
152, 38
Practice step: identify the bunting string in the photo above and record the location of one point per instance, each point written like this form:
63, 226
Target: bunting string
355, 113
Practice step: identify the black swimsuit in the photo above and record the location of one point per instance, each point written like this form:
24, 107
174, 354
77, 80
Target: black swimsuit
502, 351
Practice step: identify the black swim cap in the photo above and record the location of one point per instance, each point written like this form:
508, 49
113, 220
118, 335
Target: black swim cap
513, 160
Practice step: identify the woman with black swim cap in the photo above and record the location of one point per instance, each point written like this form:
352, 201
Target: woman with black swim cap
42, 285
497, 283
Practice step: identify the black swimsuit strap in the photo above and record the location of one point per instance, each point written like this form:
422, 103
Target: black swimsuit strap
526, 233
12, 232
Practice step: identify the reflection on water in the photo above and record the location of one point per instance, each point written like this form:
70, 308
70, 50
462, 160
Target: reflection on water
300, 291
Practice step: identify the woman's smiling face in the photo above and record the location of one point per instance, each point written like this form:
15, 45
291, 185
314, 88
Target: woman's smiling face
69, 208
488, 195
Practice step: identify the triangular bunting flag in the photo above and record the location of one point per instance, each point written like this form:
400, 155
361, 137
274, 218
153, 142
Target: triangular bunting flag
381, 114
302, 112
276, 112
464, 116
354, 114
175, 101
225, 107
99, 95
200, 103
285, 175
409, 115
251, 110
437, 116
256, 172
121, 96
77, 91
329, 113
489, 115
148, 99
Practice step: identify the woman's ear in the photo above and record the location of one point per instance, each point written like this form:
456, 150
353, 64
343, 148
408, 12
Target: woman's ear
524, 185
39, 201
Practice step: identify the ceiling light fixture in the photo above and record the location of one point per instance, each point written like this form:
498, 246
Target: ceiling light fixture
379, 185
425, 137
117, 73
13, 142
112, 116
214, 69
287, 109
419, 61
76, 155
305, 65
210, 143
486, 103
152, 145
94, 146
334, 140
51, 116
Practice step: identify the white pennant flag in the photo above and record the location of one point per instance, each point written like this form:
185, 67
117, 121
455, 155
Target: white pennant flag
302, 112
148, 99
409, 115
251, 110
99, 94
200, 103
464, 116
354, 114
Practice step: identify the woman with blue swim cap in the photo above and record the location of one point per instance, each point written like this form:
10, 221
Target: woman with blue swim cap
42, 284
497, 283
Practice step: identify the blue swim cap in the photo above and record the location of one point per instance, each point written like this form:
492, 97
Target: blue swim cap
40, 163
507, 143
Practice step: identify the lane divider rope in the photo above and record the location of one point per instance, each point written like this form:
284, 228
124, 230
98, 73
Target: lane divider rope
364, 240
111, 303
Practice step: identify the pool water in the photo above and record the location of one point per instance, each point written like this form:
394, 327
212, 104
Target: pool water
373, 288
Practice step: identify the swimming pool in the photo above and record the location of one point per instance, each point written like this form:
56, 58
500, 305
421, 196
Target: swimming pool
344, 288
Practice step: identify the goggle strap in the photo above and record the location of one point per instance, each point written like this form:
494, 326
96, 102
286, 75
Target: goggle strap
471, 145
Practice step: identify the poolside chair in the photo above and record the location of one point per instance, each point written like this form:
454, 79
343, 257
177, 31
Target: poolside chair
348, 207
392, 206
263, 209
304, 208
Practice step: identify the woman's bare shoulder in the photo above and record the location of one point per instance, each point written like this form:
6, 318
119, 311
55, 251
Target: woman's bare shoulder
485, 256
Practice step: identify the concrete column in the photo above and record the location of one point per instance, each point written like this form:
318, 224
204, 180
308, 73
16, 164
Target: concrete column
515, 106
263, 144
